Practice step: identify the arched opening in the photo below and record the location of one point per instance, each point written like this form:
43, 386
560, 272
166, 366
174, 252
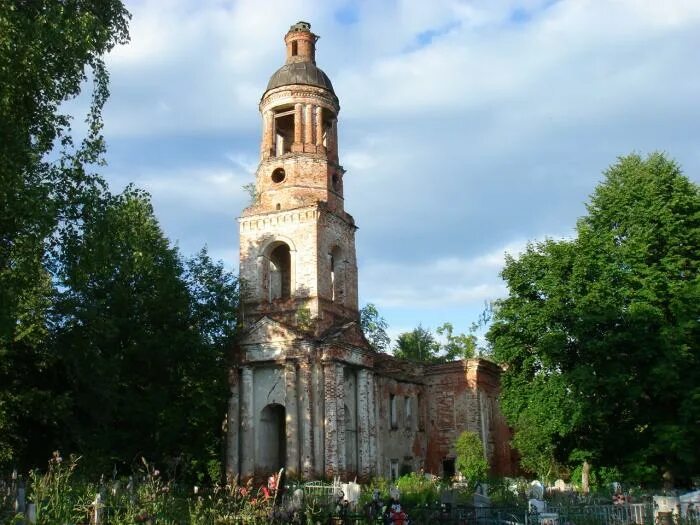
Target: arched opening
295, 49
279, 285
272, 437
337, 276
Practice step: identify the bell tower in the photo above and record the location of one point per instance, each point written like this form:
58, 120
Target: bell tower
297, 243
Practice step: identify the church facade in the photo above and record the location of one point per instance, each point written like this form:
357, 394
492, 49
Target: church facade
308, 393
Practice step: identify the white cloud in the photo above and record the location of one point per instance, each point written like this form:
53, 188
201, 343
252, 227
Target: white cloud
464, 125
443, 282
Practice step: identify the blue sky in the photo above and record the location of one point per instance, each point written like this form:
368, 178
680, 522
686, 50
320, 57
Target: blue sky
466, 128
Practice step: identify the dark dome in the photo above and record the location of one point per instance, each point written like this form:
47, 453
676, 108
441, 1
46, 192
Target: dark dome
300, 73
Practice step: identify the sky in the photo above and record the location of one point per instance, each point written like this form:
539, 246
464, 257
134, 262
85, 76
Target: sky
467, 128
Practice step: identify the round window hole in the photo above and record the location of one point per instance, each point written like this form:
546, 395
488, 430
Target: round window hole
278, 175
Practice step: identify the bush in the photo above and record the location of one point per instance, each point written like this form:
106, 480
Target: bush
417, 489
471, 462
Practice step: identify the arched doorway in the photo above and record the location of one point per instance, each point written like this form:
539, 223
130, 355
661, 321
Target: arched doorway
272, 438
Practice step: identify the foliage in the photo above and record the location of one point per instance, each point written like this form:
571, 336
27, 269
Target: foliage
418, 345
110, 342
417, 489
141, 341
57, 498
48, 50
456, 346
63, 495
304, 319
470, 460
599, 334
374, 327
599, 479
252, 190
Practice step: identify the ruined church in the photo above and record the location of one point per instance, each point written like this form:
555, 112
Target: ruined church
308, 393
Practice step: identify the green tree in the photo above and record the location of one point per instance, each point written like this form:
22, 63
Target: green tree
418, 345
471, 460
456, 346
122, 327
143, 339
46, 51
374, 327
600, 334
214, 305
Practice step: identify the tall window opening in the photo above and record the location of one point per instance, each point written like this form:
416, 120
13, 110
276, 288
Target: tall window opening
284, 132
408, 412
393, 416
280, 273
295, 49
419, 410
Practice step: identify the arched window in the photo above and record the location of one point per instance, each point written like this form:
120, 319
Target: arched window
393, 415
279, 276
337, 276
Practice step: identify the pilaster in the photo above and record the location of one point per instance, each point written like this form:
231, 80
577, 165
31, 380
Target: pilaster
233, 424
331, 418
292, 411
306, 420
247, 430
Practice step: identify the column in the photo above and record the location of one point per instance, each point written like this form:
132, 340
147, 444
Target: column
297, 146
305, 421
319, 127
318, 418
292, 412
233, 423
330, 384
375, 444
340, 410
372, 429
308, 124
333, 142
247, 420
363, 409
268, 135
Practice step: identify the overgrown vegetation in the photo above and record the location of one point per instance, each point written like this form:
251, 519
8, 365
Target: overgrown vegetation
471, 459
600, 334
